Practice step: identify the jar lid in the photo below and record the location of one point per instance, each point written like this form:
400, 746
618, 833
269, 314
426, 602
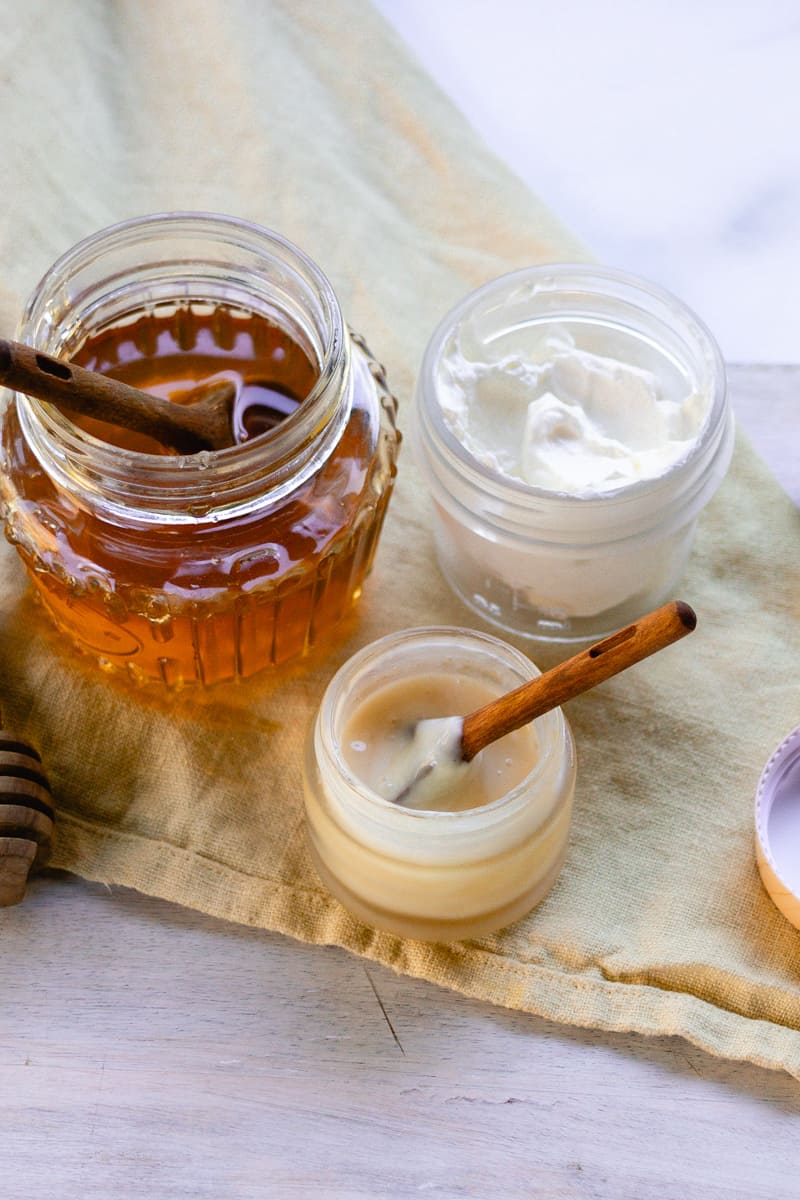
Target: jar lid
778, 827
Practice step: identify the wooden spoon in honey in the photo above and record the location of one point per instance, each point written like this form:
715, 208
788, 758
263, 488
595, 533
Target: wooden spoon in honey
205, 420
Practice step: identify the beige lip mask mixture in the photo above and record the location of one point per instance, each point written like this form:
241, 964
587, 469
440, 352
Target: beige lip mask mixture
410, 723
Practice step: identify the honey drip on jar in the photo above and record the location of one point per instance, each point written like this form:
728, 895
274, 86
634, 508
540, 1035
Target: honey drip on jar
217, 599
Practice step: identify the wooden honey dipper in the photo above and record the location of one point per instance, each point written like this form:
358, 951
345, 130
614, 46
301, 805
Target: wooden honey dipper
26, 817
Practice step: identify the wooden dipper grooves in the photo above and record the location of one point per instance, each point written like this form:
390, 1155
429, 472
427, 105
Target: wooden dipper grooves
26, 817
205, 422
578, 674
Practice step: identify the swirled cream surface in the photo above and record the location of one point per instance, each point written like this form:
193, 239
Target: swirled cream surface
405, 744
563, 417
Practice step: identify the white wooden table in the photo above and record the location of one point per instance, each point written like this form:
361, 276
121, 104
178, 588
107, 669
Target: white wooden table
150, 1052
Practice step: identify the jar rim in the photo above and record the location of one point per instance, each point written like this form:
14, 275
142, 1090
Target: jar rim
551, 724
273, 454
433, 430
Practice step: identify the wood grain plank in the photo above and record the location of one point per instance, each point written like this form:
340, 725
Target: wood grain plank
166, 1053
766, 401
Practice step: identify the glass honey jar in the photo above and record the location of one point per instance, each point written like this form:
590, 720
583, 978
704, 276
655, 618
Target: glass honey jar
218, 564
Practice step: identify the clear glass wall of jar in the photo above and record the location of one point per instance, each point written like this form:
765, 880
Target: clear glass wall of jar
547, 564
215, 565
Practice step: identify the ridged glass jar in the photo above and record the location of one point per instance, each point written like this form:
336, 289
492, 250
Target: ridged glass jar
215, 565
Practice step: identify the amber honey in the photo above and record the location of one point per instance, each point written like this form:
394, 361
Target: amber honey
227, 586
173, 353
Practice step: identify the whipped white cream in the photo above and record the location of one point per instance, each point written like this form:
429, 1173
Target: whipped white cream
565, 418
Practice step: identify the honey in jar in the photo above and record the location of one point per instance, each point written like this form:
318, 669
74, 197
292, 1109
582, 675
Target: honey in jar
214, 565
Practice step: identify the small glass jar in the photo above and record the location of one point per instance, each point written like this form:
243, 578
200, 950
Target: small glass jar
214, 565
435, 875
547, 564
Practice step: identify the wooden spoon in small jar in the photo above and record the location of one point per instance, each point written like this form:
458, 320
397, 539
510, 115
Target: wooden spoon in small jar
203, 421
432, 747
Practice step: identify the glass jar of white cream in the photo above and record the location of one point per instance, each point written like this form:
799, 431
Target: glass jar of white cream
487, 853
572, 422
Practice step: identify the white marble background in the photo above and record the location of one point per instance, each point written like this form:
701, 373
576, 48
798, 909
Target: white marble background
665, 134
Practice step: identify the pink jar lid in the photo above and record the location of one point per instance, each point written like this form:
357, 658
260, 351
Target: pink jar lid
778, 827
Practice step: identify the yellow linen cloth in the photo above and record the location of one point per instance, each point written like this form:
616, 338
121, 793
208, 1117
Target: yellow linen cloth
311, 119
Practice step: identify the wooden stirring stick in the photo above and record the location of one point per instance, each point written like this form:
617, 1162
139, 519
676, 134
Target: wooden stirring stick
433, 755
205, 423
578, 674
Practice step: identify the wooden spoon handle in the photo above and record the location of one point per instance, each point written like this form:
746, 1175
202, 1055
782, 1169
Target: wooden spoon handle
67, 386
578, 674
